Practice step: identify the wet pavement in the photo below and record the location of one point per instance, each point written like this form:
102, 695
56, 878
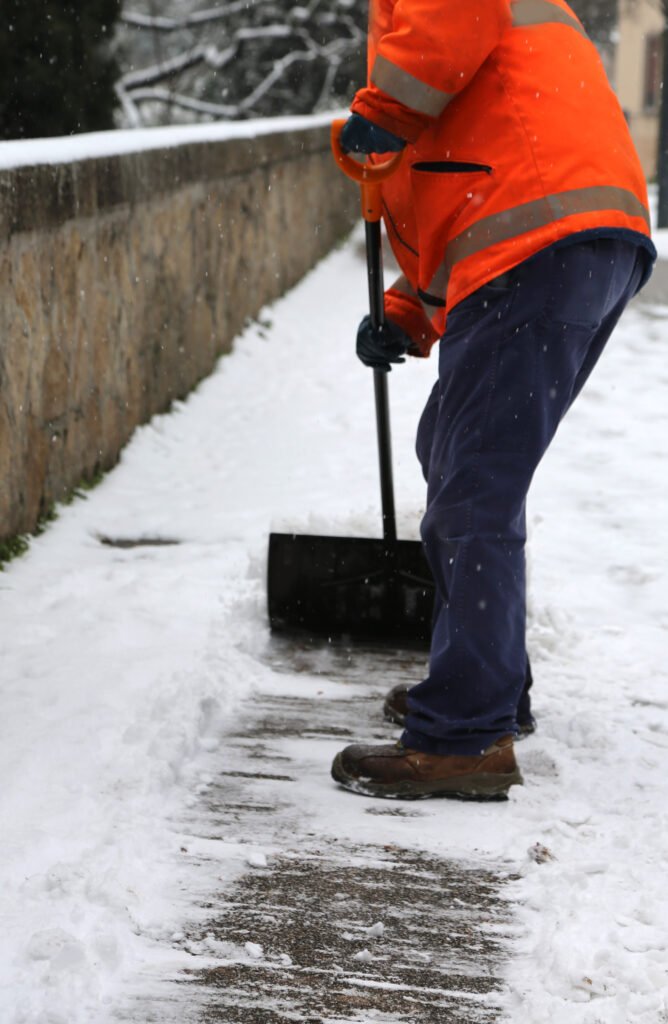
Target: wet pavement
326, 930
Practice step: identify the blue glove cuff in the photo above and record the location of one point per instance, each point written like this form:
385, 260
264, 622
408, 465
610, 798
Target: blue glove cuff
359, 135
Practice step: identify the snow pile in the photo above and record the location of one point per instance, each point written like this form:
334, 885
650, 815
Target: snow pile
122, 668
105, 709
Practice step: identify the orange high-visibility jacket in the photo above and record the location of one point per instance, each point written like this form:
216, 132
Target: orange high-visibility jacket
516, 140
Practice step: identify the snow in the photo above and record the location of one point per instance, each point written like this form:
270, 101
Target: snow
123, 667
93, 145
257, 859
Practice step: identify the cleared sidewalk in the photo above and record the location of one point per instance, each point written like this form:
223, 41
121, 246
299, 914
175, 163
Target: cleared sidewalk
174, 848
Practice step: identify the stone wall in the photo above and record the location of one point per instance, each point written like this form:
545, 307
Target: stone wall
123, 278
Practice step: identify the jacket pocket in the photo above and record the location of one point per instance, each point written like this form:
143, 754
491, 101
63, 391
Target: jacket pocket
446, 194
450, 167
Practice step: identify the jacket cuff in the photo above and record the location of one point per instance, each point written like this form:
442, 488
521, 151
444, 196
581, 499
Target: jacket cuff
408, 314
380, 108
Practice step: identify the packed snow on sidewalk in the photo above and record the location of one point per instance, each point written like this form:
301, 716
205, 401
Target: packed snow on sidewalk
122, 668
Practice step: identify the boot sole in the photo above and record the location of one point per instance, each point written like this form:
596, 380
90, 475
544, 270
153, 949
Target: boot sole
480, 786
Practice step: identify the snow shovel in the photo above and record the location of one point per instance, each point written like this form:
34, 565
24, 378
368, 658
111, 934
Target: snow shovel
348, 587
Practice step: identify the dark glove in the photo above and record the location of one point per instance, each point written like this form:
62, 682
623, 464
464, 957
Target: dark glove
361, 136
379, 346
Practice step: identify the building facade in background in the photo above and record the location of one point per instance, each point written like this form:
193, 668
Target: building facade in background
637, 74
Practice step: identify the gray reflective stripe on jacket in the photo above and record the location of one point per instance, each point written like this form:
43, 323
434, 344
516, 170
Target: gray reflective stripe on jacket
408, 89
426, 99
500, 227
527, 13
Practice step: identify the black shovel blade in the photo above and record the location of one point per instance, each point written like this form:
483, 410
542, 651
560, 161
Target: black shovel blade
350, 587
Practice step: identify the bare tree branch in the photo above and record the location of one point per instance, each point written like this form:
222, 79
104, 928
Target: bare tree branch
185, 102
279, 69
163, 24
167, 69
130, 111
239, 59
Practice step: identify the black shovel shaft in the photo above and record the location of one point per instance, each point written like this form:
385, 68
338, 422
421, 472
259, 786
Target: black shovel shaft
374, 269
353, 587
374, 263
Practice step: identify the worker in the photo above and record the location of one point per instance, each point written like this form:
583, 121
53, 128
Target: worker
519, 218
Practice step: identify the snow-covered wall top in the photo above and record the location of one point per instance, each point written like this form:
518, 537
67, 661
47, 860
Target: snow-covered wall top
71, 149
128, 263
170, 158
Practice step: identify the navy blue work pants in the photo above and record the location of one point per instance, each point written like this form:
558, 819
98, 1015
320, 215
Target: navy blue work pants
514, 356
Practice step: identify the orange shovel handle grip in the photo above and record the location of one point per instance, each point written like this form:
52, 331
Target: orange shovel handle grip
368, 176
362, 173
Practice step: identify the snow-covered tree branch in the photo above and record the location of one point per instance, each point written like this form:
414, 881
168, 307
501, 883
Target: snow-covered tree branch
194, 60
244, 58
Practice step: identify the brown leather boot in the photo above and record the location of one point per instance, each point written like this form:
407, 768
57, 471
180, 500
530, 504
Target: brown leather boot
398, 772
395, 710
